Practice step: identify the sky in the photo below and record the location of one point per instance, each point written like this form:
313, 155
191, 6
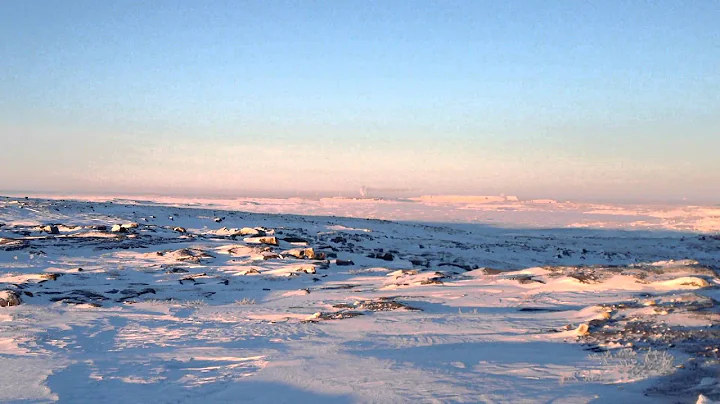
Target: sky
604, 100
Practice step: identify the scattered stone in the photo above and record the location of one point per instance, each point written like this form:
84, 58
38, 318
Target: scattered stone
343, 263
339, 287
381, 304
180, 229
340, 315
131, 294
192, 255
402, 272
10, 244
9, 298
524, 279
80, 297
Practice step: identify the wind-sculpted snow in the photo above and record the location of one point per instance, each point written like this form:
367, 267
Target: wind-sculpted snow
144, 302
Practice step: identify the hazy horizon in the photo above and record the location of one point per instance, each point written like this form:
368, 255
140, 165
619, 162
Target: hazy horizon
203, 195
612, 101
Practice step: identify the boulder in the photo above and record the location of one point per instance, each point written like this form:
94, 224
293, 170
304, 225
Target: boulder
50, 229
382, 256
343, 263
582, 330
9, 298
249, 231
268, 240
180, 229
307, 269
305, 253
118, 228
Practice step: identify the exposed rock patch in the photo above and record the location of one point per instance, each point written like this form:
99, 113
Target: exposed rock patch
9, 298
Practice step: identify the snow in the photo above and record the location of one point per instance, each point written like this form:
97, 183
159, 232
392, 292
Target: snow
458, 301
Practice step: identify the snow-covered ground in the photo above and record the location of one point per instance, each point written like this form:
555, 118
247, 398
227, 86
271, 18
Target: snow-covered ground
296, 300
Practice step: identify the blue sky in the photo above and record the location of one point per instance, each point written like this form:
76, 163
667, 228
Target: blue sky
583, 100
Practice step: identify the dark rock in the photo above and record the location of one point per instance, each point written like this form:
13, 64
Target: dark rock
342, 263
292, 239
338, 287
86, 294
461, 266
382, 256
